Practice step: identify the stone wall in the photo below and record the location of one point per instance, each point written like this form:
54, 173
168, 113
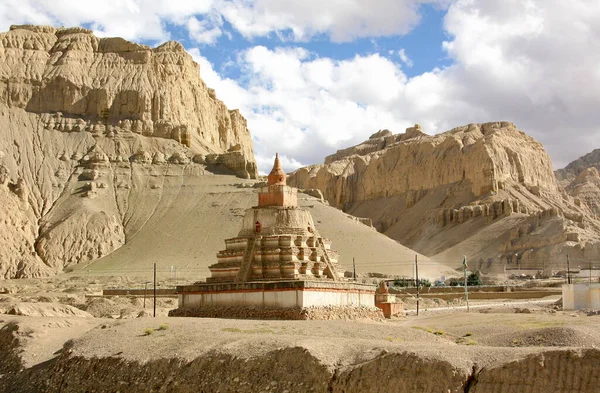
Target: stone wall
321, 313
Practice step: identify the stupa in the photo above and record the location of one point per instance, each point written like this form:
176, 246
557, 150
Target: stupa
278, 240
277, 266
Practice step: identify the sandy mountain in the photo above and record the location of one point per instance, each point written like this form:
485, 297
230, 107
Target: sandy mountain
84, 121
569, 173
581, 180
486, 191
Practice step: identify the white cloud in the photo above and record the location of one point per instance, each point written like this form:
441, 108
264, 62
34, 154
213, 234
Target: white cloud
130, 19
206, 31
266, 163
284, 19
341, 20
404, 57
305, 107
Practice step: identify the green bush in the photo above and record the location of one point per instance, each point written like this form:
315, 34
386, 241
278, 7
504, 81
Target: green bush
148, 331
403, 282
425, 283
164, 326
474, 278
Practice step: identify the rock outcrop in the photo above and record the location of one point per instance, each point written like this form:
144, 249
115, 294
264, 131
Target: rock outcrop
107, 86
569, 173
438, 194
90, 129
581, 180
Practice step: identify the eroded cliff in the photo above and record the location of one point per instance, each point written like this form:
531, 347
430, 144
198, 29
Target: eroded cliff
581, 179
482, 190
84, 122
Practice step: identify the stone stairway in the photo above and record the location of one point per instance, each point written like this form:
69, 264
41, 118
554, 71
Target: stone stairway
328, 262
245, 273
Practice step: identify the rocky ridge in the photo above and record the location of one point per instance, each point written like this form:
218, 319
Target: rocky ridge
482, 190
90, 130
581, 180
569, 173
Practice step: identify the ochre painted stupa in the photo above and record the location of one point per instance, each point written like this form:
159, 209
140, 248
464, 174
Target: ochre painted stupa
278, 240
278, 266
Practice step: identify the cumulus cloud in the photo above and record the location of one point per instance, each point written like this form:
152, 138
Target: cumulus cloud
205, 31
341, 20
532, 62
145, 19
306, 107
404, 57
130, 19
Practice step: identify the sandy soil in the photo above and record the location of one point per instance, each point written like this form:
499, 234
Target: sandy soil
187, 226
59, 350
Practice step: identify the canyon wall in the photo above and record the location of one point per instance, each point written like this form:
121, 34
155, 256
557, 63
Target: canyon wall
581, 179
438, 193
87, 126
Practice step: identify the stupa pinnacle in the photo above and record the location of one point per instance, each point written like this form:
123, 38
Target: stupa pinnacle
277, 175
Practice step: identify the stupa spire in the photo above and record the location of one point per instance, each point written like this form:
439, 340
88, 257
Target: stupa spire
277, 177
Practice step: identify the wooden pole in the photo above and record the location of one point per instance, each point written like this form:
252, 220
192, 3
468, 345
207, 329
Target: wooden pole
568, 270
417, 274
145, 289
465, 275
354, 268
154, 313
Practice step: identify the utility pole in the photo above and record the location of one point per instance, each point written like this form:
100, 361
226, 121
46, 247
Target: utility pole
417, 274
464, 262
590, 272
145, 289
154, 313
568, 270
353, 269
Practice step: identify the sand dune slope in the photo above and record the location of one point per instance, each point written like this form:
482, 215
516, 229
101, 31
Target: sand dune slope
187, 221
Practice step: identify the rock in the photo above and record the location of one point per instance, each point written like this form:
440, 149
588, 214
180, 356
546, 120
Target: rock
4, 175
314, 193
142, 157
585, 188
165, 102
381, 134
568, 174
89, 174
179, 158
159, 158
89, 105
423, 190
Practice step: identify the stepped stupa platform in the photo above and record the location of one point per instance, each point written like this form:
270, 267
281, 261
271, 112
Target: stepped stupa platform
278, 261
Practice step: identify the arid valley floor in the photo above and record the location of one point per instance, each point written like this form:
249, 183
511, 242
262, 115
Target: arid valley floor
60, 334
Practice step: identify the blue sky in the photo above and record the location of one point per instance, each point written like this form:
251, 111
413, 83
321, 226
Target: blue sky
315, 76
423, 45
